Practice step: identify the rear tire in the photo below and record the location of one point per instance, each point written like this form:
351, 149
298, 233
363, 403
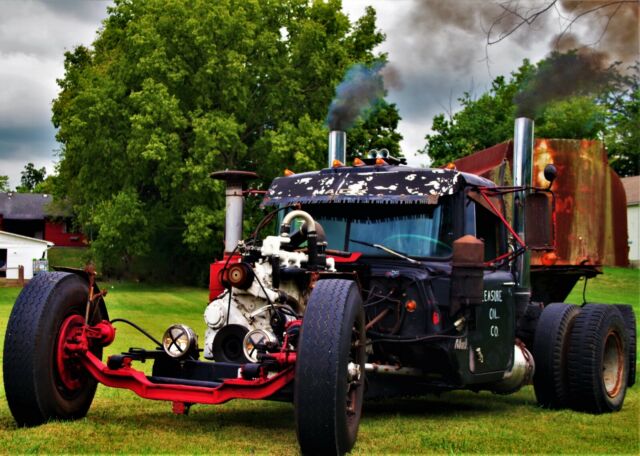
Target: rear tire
629, 318
36, 389
598, 360
550, 349
329, 382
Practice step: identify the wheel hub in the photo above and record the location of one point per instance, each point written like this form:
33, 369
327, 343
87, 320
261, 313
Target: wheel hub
353, 372
68, 366
613, 364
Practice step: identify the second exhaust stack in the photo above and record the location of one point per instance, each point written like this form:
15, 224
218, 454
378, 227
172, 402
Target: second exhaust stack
522, 177
337, 146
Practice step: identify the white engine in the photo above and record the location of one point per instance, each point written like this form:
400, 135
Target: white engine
236, 315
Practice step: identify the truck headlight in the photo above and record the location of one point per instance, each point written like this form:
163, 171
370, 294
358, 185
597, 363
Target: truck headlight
257, 338
179, 341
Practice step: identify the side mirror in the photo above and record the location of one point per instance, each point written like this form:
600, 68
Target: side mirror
539, 229
550, 174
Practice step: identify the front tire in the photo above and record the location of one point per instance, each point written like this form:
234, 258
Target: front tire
329, 382
38, 386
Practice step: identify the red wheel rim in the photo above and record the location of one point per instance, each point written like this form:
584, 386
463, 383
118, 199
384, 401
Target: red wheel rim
613, 364
69, 368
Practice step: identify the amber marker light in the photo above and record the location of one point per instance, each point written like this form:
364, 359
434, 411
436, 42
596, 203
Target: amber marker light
450, 165
288, 172
380, 161
410, 305
358, 162
549, 258
337, 163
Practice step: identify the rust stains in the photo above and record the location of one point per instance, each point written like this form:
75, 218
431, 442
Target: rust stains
590, 213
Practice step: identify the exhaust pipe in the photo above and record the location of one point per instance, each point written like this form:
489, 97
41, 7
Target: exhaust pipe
234, 201
522, 172
337, 146
522, 175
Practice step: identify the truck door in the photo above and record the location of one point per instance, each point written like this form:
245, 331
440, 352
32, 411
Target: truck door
491, 344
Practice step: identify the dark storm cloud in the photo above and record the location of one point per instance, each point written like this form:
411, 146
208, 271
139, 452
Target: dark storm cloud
562, 76
439, 47
25, 134
613, 31
33, 38
86, 10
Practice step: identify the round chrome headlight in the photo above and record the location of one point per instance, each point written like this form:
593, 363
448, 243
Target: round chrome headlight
179, 341
255, 338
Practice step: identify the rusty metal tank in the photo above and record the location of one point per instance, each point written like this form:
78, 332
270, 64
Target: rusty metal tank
590, 212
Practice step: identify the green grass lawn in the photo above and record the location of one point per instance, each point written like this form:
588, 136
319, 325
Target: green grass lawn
70, 257
460, 422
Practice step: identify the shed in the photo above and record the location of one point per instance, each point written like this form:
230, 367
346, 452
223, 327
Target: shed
17, 250
632, 189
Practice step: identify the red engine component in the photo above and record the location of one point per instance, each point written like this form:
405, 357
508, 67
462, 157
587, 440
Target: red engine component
216, 274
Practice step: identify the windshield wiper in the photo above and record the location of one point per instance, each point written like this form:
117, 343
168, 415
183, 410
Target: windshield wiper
388, 250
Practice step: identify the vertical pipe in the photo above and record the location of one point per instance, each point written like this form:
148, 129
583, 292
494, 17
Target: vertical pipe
233, 215
234, 202
337, 146
522, 175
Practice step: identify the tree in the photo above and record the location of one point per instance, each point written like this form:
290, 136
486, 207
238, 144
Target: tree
480, 123
376, 131
173, 91
122, 213
4, 183
607, 110
622, 136
30, 178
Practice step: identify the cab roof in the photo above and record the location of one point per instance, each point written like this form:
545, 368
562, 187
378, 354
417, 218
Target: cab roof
387, 184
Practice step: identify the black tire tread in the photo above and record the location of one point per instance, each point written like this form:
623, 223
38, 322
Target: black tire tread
585, 359
314, 394
550, 354
629, 318
23, 341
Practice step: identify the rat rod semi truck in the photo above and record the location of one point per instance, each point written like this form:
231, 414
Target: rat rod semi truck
383, 279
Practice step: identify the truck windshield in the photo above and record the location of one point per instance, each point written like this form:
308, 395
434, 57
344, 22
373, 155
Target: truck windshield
418, 231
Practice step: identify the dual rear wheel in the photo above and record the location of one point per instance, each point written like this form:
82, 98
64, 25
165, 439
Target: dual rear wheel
584, 356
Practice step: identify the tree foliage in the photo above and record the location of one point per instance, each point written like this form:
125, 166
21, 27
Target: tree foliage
622, 135
172, 91
4, 183
31, 178
610, 115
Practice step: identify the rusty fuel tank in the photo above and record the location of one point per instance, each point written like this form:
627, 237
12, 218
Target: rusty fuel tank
590, 211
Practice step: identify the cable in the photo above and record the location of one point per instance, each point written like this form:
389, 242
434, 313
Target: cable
584, 290
265, 220
417, 339
115, 320
265, 293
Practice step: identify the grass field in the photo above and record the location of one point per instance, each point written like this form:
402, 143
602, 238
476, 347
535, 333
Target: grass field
70, 257
460, 422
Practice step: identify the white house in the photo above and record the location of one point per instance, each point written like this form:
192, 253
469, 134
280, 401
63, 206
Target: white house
632, 189
17, 250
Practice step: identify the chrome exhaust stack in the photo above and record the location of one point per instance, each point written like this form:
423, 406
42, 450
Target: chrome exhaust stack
337, 146
234, 202
522, 177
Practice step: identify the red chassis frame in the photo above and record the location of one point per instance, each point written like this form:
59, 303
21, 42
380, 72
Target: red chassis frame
73, 350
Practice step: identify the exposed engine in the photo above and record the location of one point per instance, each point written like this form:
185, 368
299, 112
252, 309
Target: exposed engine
264, 291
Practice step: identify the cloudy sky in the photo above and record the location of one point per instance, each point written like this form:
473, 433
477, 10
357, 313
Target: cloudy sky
436, 46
